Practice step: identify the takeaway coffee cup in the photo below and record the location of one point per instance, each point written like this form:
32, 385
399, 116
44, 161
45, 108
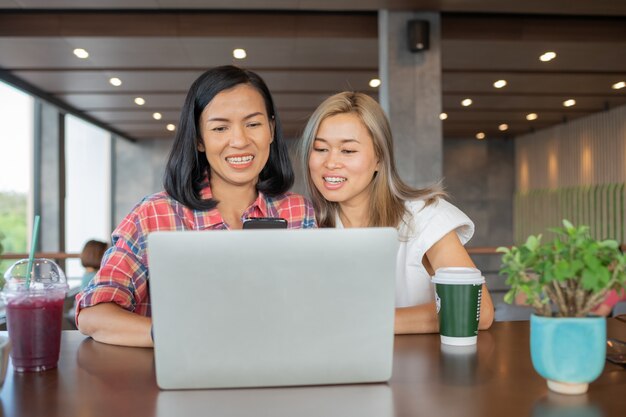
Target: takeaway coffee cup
458, 292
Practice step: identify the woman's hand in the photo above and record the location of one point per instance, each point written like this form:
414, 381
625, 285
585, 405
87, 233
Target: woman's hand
448, 251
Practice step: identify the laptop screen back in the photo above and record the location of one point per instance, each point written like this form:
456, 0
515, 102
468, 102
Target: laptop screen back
272, 307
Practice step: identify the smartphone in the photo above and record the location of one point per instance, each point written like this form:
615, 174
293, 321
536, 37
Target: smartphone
265, 223
616, 351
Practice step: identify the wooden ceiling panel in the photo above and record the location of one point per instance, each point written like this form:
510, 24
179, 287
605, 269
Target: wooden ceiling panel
142, 82
92, 102
473, 55
303, 99
532, 83
70, 82
554, 7
96, 4
325, 81
113, 116
172, 52
531, 103
295, 52
38, 53
497, 117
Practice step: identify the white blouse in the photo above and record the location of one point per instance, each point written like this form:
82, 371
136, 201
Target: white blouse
424, 227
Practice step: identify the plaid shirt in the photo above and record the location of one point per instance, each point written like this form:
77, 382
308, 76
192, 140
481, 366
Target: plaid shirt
123, 277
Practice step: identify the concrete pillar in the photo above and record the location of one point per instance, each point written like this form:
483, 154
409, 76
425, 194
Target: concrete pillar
139, 169
410, 93
48, 176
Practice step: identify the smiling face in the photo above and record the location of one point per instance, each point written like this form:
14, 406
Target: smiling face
343, 161
236, 134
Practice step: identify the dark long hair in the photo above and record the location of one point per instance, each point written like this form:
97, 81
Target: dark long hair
187, 167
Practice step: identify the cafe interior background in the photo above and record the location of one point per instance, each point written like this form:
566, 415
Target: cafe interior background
519, 106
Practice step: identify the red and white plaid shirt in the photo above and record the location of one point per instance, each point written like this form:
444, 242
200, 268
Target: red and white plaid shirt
123, 277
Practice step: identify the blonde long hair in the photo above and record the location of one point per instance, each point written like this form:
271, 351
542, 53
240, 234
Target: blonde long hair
388, 191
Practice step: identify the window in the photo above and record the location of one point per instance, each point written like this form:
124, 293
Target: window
88, 189
16, 195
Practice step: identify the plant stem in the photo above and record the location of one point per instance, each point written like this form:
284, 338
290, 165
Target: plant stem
558, 298
593, 301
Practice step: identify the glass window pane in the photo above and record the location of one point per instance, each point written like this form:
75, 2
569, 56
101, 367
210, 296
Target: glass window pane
16, 139
88, 192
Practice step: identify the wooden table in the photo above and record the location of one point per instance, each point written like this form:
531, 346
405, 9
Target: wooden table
94, 379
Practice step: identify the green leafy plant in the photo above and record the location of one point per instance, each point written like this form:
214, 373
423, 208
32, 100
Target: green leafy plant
574, 272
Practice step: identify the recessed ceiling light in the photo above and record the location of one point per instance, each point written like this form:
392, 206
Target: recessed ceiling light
443, 116
239, 53
480, 135
500, 83
531, 116
547, 56
157, 116
503, 127
140, 101
619, 85
374, 82
467, 102
569, 103
170, 127
115, 81
81, 53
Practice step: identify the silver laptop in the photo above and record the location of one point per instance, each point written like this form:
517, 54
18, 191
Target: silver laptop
261, 308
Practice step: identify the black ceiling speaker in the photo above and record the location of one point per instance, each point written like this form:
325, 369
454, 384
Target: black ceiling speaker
418, 35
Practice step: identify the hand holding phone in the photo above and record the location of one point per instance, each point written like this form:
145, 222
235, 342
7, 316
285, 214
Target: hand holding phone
265, 223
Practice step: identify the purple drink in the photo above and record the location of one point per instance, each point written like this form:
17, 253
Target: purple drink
34, 324
34, 309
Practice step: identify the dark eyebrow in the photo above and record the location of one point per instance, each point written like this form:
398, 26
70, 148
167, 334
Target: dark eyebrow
221, 119
342, 140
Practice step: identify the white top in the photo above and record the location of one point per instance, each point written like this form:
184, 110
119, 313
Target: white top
429, 224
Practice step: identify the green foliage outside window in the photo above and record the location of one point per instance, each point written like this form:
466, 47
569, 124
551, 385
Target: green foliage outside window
13, 227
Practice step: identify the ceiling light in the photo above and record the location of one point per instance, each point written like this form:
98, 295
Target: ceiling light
239, 53
466, 102
81, 53
171, 127
157, 116
569, 103
140, 101
500, 83
503, 127
619, 85
443, 116
547, 56
480, 135
115, 81
531, 116
374, 82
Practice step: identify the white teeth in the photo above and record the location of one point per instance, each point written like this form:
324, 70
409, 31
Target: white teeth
334, 180
240, 159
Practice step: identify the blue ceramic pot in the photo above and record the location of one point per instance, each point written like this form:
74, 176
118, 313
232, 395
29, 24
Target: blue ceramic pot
568, 351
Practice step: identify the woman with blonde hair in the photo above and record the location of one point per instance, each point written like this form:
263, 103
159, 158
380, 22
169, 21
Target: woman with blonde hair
352, 179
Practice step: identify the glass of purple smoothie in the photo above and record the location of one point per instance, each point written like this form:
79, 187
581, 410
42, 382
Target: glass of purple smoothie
34, 313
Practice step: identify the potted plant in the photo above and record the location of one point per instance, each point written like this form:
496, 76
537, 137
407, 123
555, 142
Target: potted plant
564, 280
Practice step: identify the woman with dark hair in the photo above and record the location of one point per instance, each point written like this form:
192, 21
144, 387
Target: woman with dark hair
228, 162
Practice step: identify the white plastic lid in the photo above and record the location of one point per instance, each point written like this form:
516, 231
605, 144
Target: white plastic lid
458, 275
